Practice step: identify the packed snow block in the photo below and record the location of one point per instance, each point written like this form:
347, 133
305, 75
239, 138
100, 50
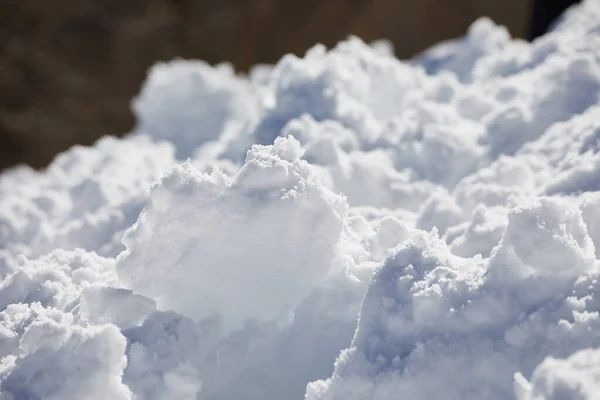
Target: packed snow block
576, 377
253, 245
189, 103
48, 354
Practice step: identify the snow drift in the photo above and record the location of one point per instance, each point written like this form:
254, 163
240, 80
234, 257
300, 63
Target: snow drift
343, 225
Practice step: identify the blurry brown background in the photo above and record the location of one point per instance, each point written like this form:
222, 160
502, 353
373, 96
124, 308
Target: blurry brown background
68, 69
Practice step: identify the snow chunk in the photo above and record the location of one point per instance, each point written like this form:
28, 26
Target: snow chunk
254, 245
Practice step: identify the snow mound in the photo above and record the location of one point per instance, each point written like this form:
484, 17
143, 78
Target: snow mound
342, 225
437, 325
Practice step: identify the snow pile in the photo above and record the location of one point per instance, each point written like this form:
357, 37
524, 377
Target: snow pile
343, 225
437, 325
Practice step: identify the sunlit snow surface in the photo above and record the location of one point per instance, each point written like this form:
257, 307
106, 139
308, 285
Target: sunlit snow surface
341, 226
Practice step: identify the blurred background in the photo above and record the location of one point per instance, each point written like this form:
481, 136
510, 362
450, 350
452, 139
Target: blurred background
68, 69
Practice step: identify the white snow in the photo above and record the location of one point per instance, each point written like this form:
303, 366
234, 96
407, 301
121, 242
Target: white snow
48, 354
254, 245
574, 378
344, 225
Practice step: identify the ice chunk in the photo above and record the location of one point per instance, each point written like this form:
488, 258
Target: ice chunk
253, 245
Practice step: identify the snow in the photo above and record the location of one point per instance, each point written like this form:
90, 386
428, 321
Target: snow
436, 325
572, 378
49, 354
268, 236
189, 103
342, 225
